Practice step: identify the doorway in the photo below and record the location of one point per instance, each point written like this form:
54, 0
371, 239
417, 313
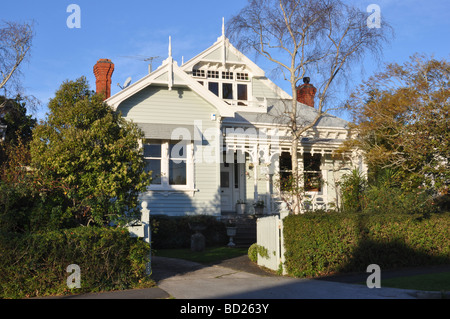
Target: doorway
232, 185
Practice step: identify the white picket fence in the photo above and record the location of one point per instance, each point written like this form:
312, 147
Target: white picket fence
141, 229
269, 236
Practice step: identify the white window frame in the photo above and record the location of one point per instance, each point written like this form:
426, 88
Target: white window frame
165, 158
218, 76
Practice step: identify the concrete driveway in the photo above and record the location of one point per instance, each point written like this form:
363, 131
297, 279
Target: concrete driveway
188, 280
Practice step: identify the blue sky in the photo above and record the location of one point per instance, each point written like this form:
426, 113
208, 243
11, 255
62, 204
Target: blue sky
114, 29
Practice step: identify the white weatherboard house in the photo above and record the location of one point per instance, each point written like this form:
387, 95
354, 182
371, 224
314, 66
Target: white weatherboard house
213, 138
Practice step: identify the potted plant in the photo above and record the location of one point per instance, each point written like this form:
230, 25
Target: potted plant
240, 207
259, 207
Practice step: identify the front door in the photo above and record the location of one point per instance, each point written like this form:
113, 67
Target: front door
226, 189
231, 185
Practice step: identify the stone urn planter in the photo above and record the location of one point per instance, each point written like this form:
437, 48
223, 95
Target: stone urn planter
231, 232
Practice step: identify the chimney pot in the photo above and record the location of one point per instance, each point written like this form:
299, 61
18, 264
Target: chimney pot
103, 71
306, 92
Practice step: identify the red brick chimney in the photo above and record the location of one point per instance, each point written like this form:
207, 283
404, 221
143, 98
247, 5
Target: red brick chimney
306, 93
103, 71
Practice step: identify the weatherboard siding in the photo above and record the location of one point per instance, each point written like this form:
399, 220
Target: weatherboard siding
158, 105
261, 90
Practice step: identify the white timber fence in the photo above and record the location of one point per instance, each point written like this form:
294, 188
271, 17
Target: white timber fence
269, 237
141, 229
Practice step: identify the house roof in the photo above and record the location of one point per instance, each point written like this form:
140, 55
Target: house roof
222, 51
277, 115
170, 74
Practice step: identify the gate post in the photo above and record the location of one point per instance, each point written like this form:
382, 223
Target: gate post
284, 212
145, 220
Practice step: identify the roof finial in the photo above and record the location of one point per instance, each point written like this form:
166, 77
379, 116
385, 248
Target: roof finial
223, 26
170, 46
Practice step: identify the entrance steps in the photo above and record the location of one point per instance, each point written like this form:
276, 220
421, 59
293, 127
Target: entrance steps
246, 229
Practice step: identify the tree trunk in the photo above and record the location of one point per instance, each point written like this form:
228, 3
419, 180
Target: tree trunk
296, 198
295, 192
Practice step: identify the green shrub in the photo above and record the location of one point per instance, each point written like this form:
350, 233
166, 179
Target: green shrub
352, 187
255, 250
35, 264
174, 232
320, 244
380, 199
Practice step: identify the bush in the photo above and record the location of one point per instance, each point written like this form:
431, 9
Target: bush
35, 264
253, 252
174, 232
319, 244
256, 250
382, 194
352, 188
379, 199
22, 209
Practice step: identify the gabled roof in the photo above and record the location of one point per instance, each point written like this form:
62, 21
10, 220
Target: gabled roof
170, 74
222, 51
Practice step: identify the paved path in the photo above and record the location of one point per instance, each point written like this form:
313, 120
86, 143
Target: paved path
188, 280
238, 278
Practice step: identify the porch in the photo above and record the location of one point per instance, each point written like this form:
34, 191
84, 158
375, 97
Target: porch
255, 163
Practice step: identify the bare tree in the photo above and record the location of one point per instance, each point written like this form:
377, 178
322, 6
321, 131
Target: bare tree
324, 37
15, 44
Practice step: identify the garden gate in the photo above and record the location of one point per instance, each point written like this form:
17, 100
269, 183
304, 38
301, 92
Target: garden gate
269, 235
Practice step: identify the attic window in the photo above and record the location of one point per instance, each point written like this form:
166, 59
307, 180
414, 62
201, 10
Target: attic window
227, 75
242, 92
242, 76
213, 74
198, 73
214, 87
227, 91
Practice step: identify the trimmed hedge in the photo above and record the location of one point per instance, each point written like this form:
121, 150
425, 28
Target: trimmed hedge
319, 244
35, 264
174, 231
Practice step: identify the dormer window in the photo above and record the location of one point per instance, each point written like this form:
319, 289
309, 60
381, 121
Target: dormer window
242, 76
227, 75
198, 73
225, 84
227, 91
214, 87
242, 92
213, 74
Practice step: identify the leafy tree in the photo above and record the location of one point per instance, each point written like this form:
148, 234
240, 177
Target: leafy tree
402, 116
88, 157
14, 115
19, 125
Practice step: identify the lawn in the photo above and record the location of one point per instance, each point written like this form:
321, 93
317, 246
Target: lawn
210, 255
429, 282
